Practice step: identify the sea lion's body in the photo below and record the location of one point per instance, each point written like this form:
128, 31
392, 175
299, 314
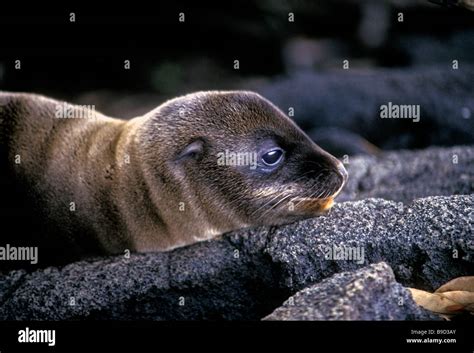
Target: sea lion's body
152, 183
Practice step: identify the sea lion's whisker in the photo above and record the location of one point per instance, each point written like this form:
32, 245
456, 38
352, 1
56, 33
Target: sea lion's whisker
269, 202
318, 189
274, 206
278, 202
303, 199
234, 200
312, 195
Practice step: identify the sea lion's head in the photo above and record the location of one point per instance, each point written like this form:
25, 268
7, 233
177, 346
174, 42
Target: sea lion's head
237, 160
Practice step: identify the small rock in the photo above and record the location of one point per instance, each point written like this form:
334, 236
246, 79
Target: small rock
370, 293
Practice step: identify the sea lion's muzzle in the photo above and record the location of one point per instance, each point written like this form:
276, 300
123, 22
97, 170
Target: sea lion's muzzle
326, 177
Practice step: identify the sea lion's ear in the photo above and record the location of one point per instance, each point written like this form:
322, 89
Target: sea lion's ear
193, 150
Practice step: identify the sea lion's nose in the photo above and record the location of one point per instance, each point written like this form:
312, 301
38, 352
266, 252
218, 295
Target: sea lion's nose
342, 172
330, 163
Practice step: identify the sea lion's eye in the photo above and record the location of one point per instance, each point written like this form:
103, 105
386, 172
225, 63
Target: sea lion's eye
273, 157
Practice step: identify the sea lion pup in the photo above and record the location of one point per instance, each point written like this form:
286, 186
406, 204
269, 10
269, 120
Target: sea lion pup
195, 167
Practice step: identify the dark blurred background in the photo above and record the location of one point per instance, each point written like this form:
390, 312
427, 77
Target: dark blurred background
297, 64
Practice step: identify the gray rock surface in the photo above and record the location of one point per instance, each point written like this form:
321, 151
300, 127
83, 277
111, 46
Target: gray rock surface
407, 175
370, 293
249, 273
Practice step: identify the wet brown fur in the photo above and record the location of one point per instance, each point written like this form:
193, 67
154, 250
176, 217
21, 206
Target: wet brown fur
138, 205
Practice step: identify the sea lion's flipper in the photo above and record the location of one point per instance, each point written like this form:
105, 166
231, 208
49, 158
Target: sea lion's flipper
453, 298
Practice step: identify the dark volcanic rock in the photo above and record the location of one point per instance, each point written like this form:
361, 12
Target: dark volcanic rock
340, 142
367, 294
408, 175
420, 242
249, 273
351, 100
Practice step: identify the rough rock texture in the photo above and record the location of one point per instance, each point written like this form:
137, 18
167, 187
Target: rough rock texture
407, 175
351, 100
367, 294
340, 142
247, 274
